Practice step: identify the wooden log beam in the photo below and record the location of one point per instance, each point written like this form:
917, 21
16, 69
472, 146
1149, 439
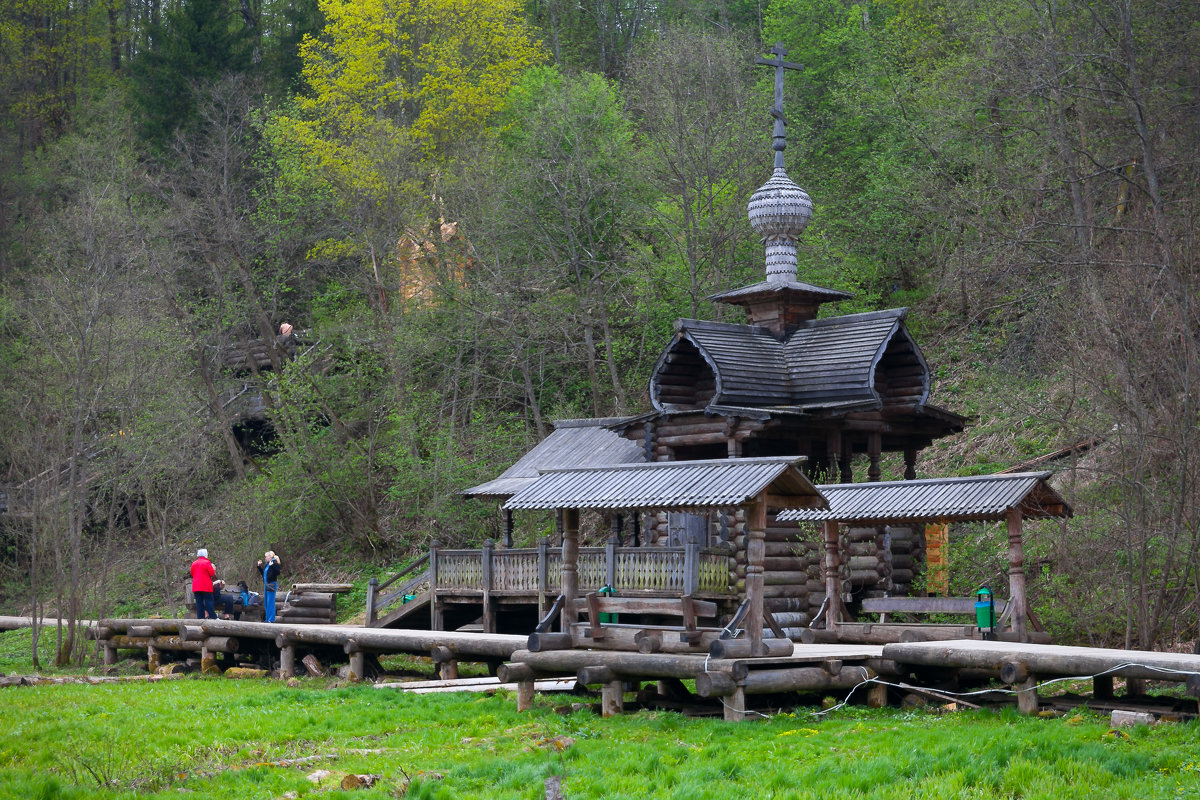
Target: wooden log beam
633, 665
804, 679
748, 648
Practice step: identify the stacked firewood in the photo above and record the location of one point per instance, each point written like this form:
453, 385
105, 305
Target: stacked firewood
310, 603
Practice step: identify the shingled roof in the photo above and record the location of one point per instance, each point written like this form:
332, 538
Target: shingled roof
826, 363
574, 443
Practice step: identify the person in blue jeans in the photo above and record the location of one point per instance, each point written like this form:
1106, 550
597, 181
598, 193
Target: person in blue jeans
270, 572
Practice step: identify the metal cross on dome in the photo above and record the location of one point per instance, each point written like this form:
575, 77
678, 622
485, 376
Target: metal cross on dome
778, 135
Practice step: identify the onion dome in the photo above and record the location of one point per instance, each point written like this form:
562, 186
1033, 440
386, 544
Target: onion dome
780, 209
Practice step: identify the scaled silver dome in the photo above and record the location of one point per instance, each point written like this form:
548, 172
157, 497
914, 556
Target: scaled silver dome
780, 209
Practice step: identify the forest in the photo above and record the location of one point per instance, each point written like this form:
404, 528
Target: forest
482, 216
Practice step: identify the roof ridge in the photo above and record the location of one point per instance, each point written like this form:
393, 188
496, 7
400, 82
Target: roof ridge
887, 313
998, 476
684, 323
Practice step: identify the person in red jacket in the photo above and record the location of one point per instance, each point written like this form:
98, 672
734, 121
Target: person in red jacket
203, 573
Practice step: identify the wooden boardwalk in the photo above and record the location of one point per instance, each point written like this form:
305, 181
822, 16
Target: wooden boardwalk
883, 673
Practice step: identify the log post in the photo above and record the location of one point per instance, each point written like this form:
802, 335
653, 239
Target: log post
435, 611
877, 695
570, 566
287, 656
735, 705
1027, 696
910, 464
110, 653
372, 589
524, 695
508, 528
489, 611
153, 659
833, 583
637, 529
358, 660
1102, 687
1016, 576
756, 535
446, 662
874, 450
612, 698
208, 660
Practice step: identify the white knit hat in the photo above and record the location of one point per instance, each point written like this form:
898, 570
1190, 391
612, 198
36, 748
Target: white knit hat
202, 553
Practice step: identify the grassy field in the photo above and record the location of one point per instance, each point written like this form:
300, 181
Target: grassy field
221, 738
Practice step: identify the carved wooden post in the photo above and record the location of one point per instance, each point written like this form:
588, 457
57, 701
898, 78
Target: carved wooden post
489, 612
756, 536
372, 590
508, 528
637, 529
610, 563
910, 464
543, 575
570, 566
435, 612
833, 581
1016, 575
874, 451
833, 453
691, 563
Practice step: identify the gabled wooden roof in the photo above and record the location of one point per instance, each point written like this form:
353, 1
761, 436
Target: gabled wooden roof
825, 364
574, 443
980, 498
671, 485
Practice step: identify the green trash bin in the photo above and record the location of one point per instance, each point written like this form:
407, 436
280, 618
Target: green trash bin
985, 611
607, 590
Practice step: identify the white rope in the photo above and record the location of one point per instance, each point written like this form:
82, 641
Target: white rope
936, 692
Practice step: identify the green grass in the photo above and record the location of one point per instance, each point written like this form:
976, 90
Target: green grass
214, 737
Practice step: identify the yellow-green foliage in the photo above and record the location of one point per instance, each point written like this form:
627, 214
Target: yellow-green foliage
396, 76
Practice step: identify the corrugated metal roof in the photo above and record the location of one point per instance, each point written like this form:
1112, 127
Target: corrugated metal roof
720, 483
574, 443
984, 497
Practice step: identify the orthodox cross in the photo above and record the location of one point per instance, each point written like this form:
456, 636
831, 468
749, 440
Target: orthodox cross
778, 135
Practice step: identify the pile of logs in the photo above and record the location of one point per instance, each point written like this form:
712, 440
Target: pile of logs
311, 603
880, 561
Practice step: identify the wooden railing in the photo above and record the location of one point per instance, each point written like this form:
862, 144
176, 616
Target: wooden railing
378, 596
536, 573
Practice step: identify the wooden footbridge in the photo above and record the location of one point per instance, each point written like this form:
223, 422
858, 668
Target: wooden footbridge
721, 680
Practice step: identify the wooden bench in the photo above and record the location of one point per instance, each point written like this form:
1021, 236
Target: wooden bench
686, 608
928, 605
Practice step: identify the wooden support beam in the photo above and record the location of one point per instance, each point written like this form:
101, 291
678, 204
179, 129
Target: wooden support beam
756, 526
1018, 603
833, 582
570, 566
